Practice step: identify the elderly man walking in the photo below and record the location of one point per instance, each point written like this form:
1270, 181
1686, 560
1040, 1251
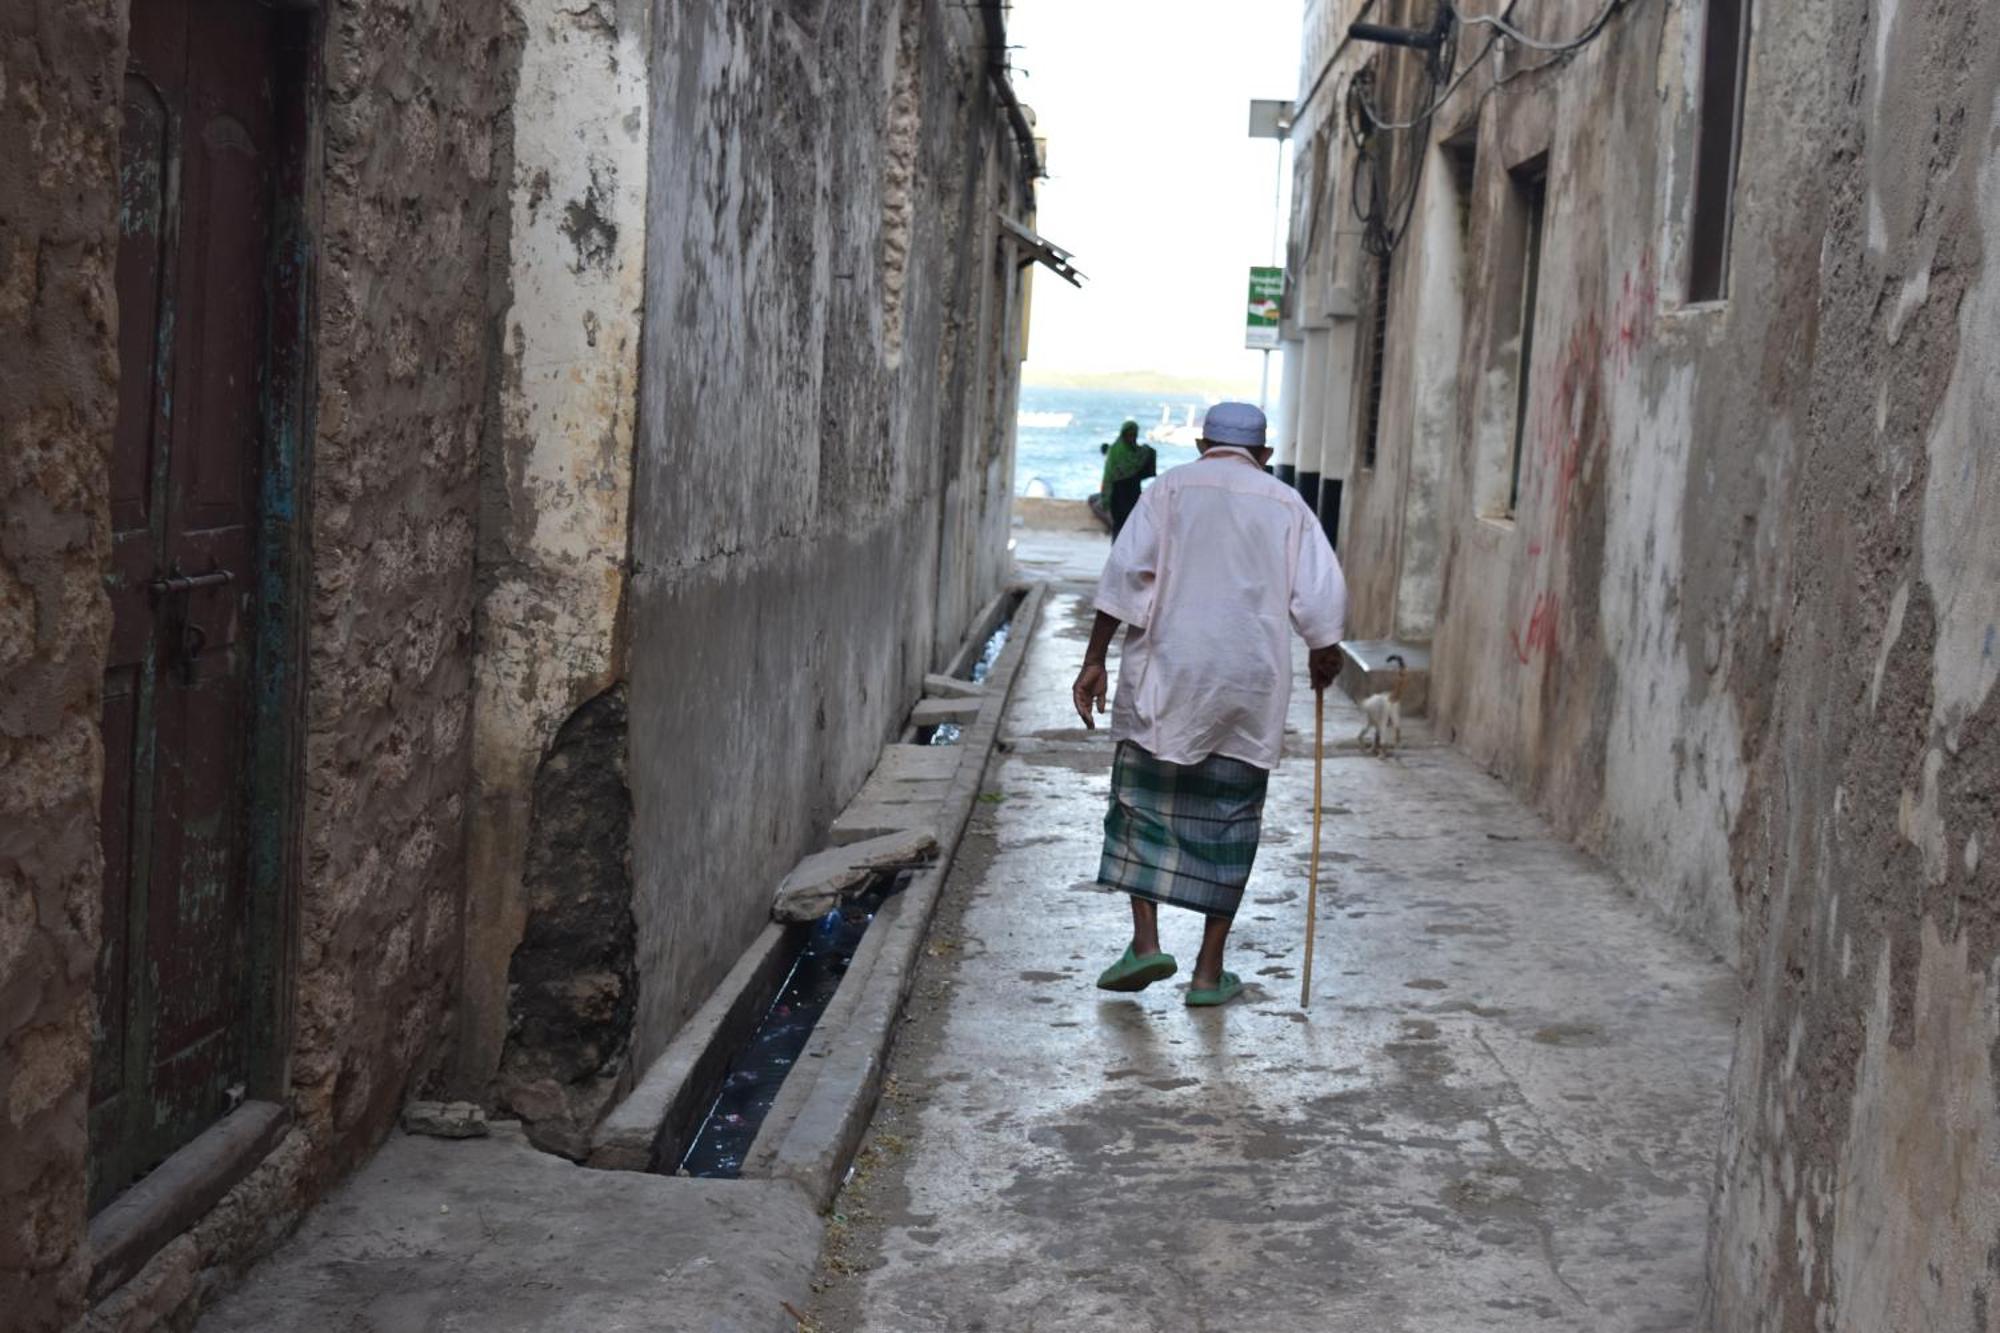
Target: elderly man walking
1218, 565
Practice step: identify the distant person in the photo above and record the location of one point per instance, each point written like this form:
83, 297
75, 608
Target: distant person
1218, 566
1127, 466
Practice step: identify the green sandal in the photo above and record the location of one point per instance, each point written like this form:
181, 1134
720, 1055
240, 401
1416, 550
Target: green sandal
1226, 988
1135, 973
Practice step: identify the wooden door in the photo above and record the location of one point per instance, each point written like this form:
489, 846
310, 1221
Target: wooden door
196, 199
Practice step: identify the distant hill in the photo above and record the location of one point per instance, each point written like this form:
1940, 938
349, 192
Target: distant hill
1138, 381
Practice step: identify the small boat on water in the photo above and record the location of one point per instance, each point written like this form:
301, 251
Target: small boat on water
1165, 431
1044, 420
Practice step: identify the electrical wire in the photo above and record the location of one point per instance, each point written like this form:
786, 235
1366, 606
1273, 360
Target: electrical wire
1561, 55
1437, 103
1502, 28
1379, 204
1498, 22
1384, 210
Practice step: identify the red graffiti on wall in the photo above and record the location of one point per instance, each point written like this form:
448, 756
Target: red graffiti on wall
1634, 316
1570, 431
1569, 419
1540, 638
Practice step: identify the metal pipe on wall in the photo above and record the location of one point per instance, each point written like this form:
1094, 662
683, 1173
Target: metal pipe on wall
1336, 443
996, 65
1312, 415
1285, 423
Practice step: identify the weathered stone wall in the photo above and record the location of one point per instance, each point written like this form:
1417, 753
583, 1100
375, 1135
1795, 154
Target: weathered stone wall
1600, 645
1861, 1167
827, 395
978, 368
1609, 647
61, 79
1739, 635
829, 398
412, 198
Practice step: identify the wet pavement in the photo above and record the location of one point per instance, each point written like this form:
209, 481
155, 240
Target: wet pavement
1499, 1113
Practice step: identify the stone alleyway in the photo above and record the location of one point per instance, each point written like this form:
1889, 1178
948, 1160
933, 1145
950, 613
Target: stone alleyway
1500, 1112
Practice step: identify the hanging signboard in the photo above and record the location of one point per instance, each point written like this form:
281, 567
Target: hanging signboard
1267, 290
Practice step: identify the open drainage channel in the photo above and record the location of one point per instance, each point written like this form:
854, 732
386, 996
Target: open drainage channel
759, 1066
947, 733
721, 1100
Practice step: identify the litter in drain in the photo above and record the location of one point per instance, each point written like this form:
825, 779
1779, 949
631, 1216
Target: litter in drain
991, 652
949, 733
758, 1069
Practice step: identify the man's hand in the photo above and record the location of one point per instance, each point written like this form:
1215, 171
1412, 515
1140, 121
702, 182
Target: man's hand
1088, 692
1324, 665
1091, 682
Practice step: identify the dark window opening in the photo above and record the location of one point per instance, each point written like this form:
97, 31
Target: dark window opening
1461, 155
1531, 187
1378, 356
1725, 44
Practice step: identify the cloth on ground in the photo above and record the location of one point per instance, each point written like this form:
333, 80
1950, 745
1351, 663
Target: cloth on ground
1184, 835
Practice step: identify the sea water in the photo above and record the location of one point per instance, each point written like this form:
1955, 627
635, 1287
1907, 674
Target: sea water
1067, 459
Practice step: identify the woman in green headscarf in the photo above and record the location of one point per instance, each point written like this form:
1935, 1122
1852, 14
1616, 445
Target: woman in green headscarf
1127, 464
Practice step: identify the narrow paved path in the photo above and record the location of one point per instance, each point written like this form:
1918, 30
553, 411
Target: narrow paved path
1499, 1114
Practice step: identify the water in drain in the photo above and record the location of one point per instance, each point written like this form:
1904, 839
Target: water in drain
991, 652
759, 1067
949, 733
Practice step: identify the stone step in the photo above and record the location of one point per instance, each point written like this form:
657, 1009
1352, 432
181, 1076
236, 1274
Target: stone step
951, 687
934, 712
905, 792
916, 763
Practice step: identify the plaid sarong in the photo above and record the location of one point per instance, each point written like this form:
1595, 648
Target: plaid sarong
1184, 835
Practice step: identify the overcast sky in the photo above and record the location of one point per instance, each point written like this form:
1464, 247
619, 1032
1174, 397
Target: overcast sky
1155, 184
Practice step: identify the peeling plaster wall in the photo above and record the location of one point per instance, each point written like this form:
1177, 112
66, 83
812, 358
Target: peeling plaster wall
818, 508
1740, 635
60, 85
558, 472
1436, 342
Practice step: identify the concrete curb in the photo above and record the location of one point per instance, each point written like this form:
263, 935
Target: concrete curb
663, 1108
818, 1120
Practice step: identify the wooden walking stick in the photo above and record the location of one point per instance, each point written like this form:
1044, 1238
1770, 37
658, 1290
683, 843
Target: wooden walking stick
1312, 883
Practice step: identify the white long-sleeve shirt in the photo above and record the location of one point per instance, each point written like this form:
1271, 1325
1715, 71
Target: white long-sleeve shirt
1213, 572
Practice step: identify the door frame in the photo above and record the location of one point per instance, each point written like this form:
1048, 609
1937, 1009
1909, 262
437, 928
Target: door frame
145, 1216
275, 772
